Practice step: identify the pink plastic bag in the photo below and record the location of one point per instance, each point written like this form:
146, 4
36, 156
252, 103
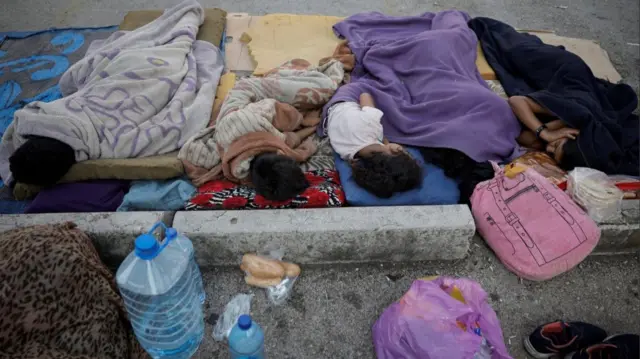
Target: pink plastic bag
535, 229
428, 322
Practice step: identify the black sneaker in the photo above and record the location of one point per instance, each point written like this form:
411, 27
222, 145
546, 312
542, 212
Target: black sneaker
562, 338
623, 346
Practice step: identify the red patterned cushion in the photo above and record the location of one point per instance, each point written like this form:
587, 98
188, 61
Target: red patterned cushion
325, 191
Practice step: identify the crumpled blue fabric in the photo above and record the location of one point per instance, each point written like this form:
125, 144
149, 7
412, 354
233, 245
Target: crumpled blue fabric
153, 195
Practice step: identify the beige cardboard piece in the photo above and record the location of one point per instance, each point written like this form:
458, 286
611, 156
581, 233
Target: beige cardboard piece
277, 38
236, 52
260, 43
239, 56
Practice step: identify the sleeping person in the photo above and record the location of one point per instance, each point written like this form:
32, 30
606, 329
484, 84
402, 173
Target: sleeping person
585, 121
263, 130
356, 134
553, 136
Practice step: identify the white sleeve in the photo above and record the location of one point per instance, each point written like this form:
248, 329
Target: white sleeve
373, 113
351, 128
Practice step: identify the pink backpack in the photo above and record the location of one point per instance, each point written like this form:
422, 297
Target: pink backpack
535, 229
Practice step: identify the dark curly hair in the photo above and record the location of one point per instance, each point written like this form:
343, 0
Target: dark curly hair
277, 177
572, 156
41, 161
383, 175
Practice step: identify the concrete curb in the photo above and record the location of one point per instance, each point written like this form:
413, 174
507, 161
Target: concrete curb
112, 233
355, 234
314, 236
622, 234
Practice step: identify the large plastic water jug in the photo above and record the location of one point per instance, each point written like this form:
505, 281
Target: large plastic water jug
161, 295
185, 243
246, 340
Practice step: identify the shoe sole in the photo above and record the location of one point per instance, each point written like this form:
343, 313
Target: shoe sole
533, 352
570, 356
611, 337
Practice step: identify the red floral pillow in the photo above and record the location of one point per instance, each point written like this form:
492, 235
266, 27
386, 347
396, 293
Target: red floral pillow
324, 191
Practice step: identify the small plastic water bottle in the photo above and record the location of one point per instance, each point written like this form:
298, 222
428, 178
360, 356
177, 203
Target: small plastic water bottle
246, 340
185, 243
161, 296
485, 351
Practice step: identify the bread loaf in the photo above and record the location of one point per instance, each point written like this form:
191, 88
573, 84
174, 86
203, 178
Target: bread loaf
261, 267
261, 282
291, 269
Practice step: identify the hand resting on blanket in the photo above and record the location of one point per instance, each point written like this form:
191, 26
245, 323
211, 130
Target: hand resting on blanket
555, 136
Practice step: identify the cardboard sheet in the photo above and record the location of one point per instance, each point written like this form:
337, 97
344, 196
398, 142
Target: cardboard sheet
261, 43
275, 38
236, 52
227, 81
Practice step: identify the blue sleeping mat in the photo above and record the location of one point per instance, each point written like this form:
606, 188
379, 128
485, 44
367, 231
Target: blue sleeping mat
436, 188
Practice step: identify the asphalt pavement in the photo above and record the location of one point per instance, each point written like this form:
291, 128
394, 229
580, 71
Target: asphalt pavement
613, 23
332, 309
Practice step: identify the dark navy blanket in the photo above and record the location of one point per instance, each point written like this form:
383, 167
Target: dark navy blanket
561, 82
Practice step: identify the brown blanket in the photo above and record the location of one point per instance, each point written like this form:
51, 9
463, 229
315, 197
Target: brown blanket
57, 299
282, 107
250, 145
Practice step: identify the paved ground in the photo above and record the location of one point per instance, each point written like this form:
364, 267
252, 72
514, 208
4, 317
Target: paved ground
614, 23
332, 309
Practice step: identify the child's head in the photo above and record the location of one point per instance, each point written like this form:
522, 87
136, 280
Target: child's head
41, 161
567, 153
384, 173
277, 177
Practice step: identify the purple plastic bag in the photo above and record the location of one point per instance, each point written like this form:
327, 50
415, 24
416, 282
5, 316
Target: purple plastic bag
427, 323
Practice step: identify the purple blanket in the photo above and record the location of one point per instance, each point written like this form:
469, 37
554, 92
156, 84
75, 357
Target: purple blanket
90, 196
422, 74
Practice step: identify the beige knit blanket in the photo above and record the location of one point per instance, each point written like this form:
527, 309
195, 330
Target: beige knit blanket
279, 104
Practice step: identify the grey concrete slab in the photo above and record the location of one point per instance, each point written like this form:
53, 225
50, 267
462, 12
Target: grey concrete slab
621, 234
373, 234
321, 236
354, 234
112, 233
333, 308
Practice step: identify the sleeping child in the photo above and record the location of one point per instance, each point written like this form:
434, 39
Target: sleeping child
356, 134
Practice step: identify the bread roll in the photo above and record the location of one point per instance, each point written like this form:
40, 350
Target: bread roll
261, 267
261, 282
291, 269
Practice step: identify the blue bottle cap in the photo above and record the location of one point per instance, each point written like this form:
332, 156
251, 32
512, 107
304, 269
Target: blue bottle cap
244, 322
146, 246
170, 233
